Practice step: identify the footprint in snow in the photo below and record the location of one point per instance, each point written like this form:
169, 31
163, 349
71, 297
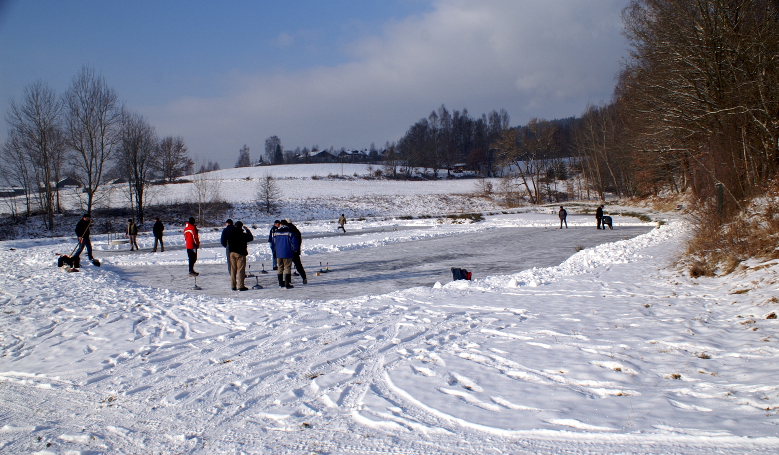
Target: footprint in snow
423, 371
464, 382
470, 399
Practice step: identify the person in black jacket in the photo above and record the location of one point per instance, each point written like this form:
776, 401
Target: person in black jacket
82, 232
296, 257
563, 214
599, 216
226, 232
237, 244
157, 230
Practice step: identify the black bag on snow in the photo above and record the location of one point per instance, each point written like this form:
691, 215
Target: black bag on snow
69, 261
460, 274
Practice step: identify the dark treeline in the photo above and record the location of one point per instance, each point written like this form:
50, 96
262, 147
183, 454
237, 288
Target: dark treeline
445, 139
696, 108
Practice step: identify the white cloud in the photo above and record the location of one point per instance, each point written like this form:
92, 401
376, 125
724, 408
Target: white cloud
284, 40
533, 58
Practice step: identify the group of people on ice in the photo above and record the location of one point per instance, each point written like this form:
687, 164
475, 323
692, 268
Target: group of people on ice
601, 220
284, 238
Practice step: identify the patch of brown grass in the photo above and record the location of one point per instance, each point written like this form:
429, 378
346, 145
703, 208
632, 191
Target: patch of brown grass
720, 244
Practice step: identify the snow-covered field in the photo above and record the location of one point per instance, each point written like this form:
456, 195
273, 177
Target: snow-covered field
608, 350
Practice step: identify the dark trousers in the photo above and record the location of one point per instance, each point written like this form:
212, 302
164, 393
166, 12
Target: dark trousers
162, 245
192, 256
563, 220
599, 219
229, 265
299, 265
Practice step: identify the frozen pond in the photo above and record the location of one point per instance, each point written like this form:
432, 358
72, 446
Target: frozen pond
389, 267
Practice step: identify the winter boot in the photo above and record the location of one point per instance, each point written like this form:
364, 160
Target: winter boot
281, 280
288, 282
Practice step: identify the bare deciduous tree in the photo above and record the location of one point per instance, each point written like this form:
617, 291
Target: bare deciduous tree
206, 193
703, 86
93, 129
268, 193
37, 141
15, 171
139, 154
173, 160
510, 153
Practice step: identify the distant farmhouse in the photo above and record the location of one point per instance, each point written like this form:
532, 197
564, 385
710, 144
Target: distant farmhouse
355, 156
69, 182
11, 191
322, 156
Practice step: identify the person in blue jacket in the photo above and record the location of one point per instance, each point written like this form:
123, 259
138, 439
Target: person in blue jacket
273, 229
285, 244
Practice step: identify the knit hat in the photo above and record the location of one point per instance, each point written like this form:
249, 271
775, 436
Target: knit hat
239, 224
229, 221
276, 222
191, 220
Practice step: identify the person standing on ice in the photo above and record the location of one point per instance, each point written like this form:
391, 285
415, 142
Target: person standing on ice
82, 232
599, 215
132, 234
226, 233
285, 244
296, 258
274, 228
191, 243
237, 242
341, 222
157, 230
563, 214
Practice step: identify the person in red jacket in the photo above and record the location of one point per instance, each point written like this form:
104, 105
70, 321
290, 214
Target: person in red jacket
192, 243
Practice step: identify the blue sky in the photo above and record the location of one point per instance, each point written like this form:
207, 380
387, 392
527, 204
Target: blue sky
327, 73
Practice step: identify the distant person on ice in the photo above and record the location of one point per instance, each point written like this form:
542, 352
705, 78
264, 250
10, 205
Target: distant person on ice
157, 230
599, 215
563, 214
191, 243
82, 232
226, 232
274, 228
237, 242
296, 257
341, 222
285, 244
132, 234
